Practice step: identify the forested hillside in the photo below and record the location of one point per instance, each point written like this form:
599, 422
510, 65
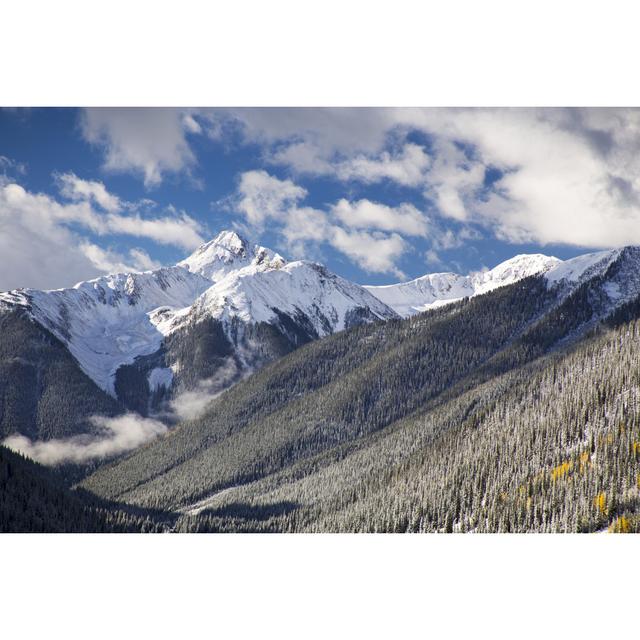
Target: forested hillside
517, 410
328, 392
43, 392
549, 449
34, 500
512, 411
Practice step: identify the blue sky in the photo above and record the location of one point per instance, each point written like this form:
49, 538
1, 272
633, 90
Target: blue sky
378, 195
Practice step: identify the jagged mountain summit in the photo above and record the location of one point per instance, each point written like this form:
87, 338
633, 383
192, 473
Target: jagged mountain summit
132, 330
229, 252
104, 322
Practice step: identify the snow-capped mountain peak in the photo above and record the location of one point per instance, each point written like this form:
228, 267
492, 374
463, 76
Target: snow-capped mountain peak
227, 252
436, 289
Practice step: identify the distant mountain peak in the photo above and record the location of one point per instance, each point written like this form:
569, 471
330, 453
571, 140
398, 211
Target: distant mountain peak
436, 289
580, 267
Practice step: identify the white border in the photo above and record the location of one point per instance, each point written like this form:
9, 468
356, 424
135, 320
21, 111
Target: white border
317, 586
336, 52
283, 52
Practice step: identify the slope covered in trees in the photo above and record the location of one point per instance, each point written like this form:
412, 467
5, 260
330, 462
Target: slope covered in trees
553, 447
498, 413
328, 392
43, 392
513, 411
34, 500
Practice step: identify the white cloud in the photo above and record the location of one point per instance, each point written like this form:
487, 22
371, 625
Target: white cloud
39, 248
75, 188
142, 261
557, 186
108, 261
373, 252
180, 230
119, 435
37, 251
304, 157
306, 224
191, 124
407, 168
364, 214
104, 260
149, 142
569, 176
189, 405
454, 180
262, 196
325, 131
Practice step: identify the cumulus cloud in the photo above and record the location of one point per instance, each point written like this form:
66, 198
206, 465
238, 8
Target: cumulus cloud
559, 175
179, 230
117, 435
41, 247
75, 188
261, 197
36, 249
148, 142
302, 224
373, 252
407, 168
108, 261
557, 183
454, 181
364, 214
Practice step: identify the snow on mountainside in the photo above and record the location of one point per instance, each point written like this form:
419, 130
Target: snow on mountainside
580, 268
327, 301
616, 272
110, 321
104, 322
437, 289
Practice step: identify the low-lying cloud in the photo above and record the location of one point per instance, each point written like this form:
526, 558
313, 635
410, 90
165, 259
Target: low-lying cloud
191, 404
118, 435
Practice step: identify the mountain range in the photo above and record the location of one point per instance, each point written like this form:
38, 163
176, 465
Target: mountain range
492, 401
222, 312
